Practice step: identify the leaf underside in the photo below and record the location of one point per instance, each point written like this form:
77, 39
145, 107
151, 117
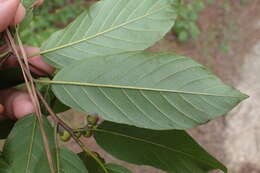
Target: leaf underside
171, 150
149, 90
110, 27
24, 151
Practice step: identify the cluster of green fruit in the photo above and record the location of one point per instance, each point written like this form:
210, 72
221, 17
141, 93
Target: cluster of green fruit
186, 24
87, 131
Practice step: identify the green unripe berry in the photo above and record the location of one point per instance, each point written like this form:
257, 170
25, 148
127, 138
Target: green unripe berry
65, 136
92, 119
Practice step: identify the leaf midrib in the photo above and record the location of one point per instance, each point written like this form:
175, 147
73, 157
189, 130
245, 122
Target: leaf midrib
155, 144
54, 82
31, 145
103, 32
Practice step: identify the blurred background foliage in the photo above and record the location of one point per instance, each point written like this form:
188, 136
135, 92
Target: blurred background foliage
56, 14
186, 27
50, 17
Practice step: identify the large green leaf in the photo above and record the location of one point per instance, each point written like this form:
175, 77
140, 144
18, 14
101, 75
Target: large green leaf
111, 27
4, 167
93, 167
173, 151
71, 163
157, 91
24, 148
90, 163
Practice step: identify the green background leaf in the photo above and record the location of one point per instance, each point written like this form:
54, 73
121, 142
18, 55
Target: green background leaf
171, 150
71, 163
113, 168
93, 167
4, 167
110, 27
150, 90
90, 163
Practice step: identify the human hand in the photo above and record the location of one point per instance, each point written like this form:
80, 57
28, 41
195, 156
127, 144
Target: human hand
15, 103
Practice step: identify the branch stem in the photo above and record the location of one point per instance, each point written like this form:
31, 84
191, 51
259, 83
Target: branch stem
70, 130
23, 62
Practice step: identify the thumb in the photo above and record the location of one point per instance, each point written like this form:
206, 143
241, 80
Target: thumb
8, 9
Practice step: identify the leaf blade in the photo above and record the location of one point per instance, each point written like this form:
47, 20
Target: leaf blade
71, 163
110, 27
158, 91
93, 167
4, 167
25, 139
171, 150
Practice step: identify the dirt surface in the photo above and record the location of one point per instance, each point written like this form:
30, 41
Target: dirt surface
235, 140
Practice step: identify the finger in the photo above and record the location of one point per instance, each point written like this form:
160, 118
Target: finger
41, 66
16, 103
38, 66
1, 109
1, 112
20, 13
8, 10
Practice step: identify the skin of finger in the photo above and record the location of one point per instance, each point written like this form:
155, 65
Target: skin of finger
35, 61
8, 10
16, 103
1, 112
6, 101
20, 13
22, 105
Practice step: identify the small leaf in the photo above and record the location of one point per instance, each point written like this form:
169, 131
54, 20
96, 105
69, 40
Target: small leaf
5, 128
24, 148
183, 36
110, 27
71, 163
171, 150
149, 90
